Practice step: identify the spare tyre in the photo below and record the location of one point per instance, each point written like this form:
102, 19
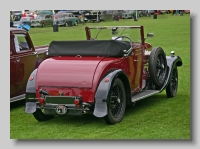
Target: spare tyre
158, 67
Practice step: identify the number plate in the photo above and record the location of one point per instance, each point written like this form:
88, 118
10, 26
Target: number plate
61, 109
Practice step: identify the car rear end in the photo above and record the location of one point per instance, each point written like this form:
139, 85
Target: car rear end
63, 85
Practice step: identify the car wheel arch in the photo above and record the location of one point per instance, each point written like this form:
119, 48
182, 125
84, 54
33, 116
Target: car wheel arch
30, 87
103, 89
172, 62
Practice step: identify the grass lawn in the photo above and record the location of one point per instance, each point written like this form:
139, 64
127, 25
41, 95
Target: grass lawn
156, 117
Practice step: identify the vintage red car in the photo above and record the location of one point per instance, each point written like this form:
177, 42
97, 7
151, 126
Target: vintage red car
24, 58
100, 76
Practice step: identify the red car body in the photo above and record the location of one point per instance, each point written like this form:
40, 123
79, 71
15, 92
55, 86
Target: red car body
99, 77
22, 61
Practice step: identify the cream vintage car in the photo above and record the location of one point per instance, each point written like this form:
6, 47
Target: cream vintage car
42, 20
65, 19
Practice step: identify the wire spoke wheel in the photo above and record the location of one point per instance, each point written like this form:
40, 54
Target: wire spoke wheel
160, 67
172, 87
116, 103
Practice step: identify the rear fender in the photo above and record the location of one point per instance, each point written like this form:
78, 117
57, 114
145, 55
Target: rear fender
103, 89
172, 61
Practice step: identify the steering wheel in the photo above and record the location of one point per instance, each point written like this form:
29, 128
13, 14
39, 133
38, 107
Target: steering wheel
131, 42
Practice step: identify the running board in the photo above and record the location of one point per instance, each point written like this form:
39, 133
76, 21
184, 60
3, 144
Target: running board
143, 94
17, 98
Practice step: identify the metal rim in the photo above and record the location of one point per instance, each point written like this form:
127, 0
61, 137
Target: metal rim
116, 101
174, 81
160, 68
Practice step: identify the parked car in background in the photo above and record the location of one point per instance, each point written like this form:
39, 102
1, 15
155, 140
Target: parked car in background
94, 16
24, 58
24, 20
119, 13
46, 12
128, 14
17, 14
63, 19
42, 20
186, 11
76, 13
28, 15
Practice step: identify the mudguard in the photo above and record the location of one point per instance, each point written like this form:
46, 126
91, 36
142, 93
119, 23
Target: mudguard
172, 61
30, 107
102, 92
30, 104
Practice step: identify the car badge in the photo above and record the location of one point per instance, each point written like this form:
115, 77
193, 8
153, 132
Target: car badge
61, 109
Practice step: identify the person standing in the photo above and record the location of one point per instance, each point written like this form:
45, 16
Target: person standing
11, 19
35, 15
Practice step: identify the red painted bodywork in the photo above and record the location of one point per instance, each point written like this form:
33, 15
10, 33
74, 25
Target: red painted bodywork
80, 76
22, 63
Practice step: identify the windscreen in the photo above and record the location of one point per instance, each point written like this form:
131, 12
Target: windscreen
115, 33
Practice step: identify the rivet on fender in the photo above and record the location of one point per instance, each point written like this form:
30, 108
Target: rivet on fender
31, 78
106, 79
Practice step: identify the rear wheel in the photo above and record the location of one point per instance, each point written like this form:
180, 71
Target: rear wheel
173, 84
40, 116
158, 67
116, 103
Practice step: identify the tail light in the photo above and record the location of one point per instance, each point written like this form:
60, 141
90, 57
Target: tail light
41, 100
77, 101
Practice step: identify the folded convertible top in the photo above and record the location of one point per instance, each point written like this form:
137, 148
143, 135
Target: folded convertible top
106, 48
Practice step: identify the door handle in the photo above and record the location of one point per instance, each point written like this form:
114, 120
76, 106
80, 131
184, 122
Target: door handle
18, 59
34, 53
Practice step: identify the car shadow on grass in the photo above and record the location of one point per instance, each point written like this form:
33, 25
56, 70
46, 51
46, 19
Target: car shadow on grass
17, 104
146, 103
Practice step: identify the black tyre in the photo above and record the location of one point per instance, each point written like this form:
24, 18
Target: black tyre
172, 87
158, 67
116, 103
40, 116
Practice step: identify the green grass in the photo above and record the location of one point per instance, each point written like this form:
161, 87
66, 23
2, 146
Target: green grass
156, 117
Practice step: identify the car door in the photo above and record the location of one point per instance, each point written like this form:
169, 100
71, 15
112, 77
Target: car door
25, 58
49, 20
133, 69
137, 60
70, 18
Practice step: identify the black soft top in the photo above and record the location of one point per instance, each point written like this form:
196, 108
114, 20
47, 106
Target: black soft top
106, 48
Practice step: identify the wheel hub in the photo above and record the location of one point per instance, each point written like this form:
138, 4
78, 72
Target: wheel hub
118, 100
